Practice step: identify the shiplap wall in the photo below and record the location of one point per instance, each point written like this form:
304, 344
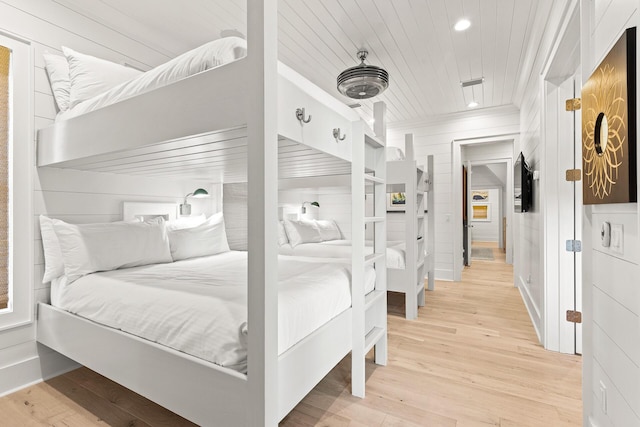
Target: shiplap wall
611, 292
435, 136
74, 196
528, 227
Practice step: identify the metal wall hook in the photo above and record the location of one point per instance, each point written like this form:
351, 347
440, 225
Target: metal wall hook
336, 134
300, 115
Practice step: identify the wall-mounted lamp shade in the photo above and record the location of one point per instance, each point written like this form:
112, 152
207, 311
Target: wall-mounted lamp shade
185, 208
303, 209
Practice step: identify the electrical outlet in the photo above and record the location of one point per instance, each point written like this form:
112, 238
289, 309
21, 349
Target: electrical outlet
603, 397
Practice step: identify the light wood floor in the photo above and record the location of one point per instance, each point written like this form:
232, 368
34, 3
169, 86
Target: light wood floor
470, 359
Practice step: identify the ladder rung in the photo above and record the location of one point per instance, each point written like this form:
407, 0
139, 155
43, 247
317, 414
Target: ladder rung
373, 297
372, 338
374, 179
375, 257
370, 219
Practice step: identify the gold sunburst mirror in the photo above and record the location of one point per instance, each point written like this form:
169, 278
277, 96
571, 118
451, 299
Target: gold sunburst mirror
609, 126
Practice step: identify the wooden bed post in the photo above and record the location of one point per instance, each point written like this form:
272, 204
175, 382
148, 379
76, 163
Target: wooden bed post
262, 121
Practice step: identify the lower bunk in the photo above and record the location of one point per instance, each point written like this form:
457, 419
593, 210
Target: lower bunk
323, 239
176, 332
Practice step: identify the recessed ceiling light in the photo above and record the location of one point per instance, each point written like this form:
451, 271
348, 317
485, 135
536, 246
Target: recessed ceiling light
462, 25
472, 104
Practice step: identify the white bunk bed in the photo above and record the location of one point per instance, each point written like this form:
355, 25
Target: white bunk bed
408, 177
243, 121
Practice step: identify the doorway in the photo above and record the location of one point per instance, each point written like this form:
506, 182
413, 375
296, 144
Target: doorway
562, 205
477, 152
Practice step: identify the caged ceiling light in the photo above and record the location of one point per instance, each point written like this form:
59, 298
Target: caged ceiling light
363, 81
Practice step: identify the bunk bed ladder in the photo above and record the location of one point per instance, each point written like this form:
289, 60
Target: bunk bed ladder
369, 311
431, 226
415, 238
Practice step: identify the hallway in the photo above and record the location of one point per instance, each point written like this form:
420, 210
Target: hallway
471, 358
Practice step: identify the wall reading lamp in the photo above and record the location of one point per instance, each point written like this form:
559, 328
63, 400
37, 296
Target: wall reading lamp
303, 208
185, 208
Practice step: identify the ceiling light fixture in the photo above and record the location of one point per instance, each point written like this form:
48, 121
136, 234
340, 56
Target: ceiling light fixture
363, 81
472, 104
462, 25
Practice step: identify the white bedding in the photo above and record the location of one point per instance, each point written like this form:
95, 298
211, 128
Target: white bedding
198, 306
209, 55
342, 249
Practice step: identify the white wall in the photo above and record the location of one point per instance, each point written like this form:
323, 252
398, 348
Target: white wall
488, 231
435, 136
611, 294
70, 195
528, 234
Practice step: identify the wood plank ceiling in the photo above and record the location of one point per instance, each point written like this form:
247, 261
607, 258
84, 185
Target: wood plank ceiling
413, 40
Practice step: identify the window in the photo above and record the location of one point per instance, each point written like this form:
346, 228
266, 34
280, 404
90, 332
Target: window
16, 168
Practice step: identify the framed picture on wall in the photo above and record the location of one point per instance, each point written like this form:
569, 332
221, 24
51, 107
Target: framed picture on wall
480, 195
396, 202
481, 212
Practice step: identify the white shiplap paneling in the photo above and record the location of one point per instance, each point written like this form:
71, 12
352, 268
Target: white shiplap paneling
435, 136
610, 291
74, 196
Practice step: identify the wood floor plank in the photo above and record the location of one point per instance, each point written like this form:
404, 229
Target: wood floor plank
470, 359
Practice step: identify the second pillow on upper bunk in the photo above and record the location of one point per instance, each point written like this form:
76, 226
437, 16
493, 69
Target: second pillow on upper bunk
90, 76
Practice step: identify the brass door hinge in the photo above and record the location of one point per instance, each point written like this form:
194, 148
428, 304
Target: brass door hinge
573, 104
574, 316
573, 175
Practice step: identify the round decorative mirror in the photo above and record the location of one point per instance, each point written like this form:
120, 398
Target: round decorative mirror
601, 134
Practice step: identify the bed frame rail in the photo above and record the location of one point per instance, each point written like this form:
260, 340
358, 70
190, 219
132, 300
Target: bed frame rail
193, 388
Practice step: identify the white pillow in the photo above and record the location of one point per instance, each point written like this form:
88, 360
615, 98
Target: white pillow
87, 248
53, 263
394, 153
185, 222
328, 230
303, 231
57, 69
208, 238
282, 234
91, 76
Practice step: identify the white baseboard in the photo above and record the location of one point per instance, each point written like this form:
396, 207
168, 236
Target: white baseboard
40, 367
444, 275
532, 309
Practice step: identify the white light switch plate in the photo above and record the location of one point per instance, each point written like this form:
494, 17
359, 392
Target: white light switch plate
617, 239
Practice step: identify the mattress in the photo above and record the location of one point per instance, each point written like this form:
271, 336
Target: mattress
342, 249
198, 306
207, 56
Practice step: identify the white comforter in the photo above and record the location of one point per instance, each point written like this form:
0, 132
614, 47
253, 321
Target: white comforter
396, 253
209, 55
198, 306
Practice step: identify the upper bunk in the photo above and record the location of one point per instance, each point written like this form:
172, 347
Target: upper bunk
196, 128
402, 167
